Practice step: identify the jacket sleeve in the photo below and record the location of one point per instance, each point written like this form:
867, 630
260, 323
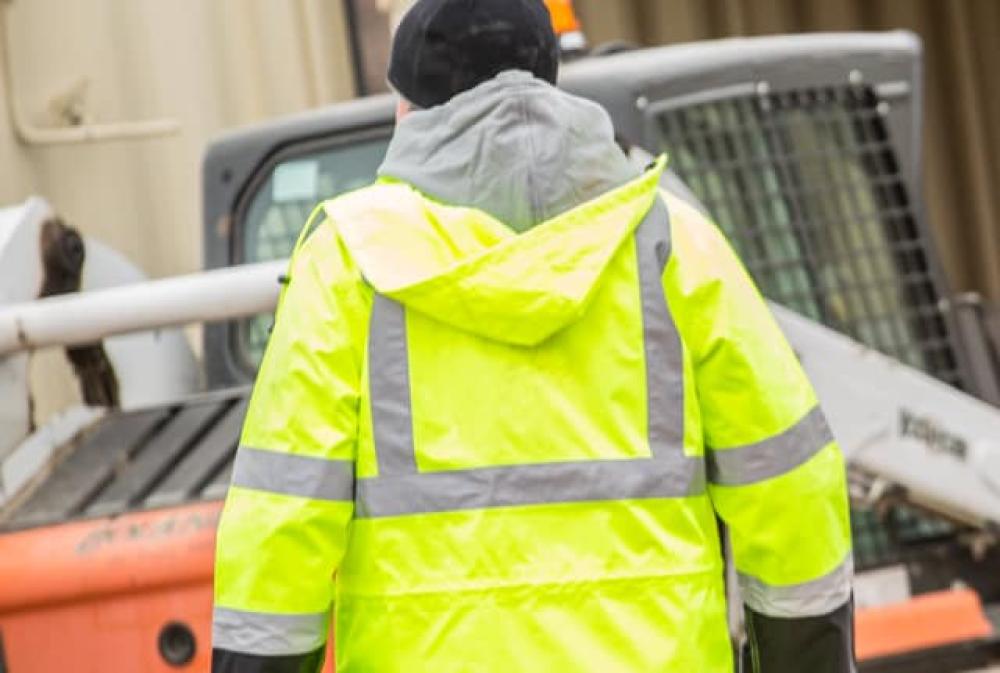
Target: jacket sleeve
776, 477
284, 524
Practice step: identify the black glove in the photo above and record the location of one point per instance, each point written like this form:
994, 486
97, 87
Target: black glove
224, 661
823, 644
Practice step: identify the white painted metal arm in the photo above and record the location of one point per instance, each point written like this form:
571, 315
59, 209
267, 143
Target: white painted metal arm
88, 317
892, 421
901, 425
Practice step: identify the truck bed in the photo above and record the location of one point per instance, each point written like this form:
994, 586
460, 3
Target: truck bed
138, 460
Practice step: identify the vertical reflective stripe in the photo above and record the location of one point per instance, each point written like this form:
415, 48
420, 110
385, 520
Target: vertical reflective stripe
389, 384
664, 354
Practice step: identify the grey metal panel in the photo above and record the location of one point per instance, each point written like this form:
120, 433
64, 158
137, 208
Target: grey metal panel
232, 159
233, 168
77, 479
971, 333
769, 72
157, 457
615, 81
234, 156
203, 462
623, 83
219, 485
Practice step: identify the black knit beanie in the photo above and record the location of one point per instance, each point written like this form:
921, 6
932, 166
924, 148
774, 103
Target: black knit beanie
445, 47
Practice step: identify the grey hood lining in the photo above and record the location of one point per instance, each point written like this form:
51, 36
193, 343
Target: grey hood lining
515, 147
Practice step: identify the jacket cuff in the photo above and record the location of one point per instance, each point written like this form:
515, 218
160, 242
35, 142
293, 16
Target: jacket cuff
225, 661
823, 644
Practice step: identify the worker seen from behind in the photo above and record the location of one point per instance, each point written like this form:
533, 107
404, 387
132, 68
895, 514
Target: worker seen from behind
510, 387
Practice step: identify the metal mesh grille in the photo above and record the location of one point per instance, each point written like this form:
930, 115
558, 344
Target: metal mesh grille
808, 188
873, 544
891, 538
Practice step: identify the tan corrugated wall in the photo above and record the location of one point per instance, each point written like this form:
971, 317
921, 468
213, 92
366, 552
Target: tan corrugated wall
962, 130
216, 64
208, 64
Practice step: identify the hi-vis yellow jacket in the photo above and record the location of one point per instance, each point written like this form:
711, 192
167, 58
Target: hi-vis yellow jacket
495, 427
484, 451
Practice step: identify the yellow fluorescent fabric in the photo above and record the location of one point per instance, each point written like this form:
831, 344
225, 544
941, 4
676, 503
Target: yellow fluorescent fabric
793, 528
296, 544
523, 350
637, 625
316, 352
750, 383
278, 553
581, 421
406, 247
541, 544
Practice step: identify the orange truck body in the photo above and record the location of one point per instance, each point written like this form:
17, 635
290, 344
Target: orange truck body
927, 621
71, 594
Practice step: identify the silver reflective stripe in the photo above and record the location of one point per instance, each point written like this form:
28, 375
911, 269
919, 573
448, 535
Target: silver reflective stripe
664, 354
400, 489
389, 383
535, 484
288, 474
266, 634
809, 599
773, 456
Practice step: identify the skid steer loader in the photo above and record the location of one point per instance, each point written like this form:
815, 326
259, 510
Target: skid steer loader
806, 152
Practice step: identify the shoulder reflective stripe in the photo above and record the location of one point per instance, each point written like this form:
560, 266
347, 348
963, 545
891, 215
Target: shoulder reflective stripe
808, 599
773, 456
389, 383
664, 355
400, 489
535, 484
268, 634
289, 474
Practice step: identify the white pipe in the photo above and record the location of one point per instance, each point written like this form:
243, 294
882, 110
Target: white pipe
88, 317
33, 135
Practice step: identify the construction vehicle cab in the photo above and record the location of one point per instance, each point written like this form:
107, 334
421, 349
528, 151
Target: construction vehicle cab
805, 150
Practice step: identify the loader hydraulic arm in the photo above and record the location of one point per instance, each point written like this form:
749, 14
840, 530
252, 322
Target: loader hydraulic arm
937, 447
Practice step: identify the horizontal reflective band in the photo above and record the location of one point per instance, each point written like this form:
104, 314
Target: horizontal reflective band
267, 634
290, 474
519, 485
771, 457
809, 599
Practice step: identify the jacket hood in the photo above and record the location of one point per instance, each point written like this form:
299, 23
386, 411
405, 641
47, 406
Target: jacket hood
495, 217
516, 147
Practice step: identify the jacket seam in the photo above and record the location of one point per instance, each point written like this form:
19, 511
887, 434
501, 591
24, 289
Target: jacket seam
622, 579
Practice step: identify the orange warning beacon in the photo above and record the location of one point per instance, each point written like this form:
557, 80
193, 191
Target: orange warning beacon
566, 25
